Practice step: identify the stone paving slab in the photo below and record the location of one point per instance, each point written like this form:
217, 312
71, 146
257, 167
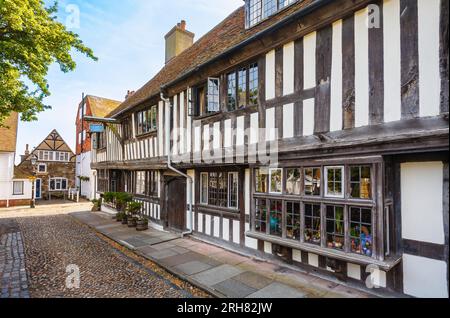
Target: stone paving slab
253, 280
277, 290
181, 259
192, 268
216, 275
234, 289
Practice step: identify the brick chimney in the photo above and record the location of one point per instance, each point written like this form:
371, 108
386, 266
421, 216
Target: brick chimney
129, 94
177, 40
26, 153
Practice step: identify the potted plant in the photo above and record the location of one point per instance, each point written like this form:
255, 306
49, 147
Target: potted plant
97, 205
142, 223
122, 199
133, 209
120, 216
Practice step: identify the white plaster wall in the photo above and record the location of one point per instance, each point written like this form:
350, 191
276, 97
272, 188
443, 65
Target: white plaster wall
270, 124
336, 78
270, 75
254, 128
424, 277
240, 131
309, 56
288, 121
236, 232
361, 69
429, 71
422, 201
392, 59
308, 117
226, 229
288, 68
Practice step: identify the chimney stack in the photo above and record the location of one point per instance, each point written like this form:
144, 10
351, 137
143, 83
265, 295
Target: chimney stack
129, 94
177, 40
27, 151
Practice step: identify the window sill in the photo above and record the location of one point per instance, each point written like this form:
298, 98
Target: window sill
218, 210
204, 116
149, 134
385, 265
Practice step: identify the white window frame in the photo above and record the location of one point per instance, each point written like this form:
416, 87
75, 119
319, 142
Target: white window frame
270, 180
342, 168
56, 180
202, 199
236, 175
209, 95
42, 164
22, 183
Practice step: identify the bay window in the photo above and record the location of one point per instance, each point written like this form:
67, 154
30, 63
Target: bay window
289, 205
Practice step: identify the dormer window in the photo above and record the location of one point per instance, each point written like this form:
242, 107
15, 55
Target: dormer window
258, 10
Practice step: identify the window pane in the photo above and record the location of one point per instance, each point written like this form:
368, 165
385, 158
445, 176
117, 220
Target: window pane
233, 190
312, 181
261, 180
276, 217
335, 181
360, 183
261, 215
253, 84
276, 181
293, 220
213, 95
242, 88
269, 7
293, 181
63, 184
335, 227
312, 224
204, 188
18, 187
254, 12
231, 78
361, 231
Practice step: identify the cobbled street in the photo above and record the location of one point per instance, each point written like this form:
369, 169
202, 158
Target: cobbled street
50, 248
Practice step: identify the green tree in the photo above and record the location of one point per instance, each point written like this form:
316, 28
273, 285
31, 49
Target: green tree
31, 39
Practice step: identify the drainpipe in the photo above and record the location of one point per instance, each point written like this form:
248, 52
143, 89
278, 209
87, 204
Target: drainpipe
170, 167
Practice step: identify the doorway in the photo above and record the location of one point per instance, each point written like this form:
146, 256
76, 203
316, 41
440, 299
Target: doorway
38, 190
176, 203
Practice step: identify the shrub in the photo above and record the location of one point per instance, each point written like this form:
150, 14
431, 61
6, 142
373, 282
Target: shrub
134, 208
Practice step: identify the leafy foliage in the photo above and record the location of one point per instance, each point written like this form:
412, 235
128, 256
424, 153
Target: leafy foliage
31, 39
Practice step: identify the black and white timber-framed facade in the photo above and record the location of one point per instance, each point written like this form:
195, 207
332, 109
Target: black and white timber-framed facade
318, 135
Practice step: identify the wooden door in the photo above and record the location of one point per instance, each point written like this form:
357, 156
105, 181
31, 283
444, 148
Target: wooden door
176, 203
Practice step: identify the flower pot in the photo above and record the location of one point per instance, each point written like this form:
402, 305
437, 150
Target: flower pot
132, 222
125, 220
142, 225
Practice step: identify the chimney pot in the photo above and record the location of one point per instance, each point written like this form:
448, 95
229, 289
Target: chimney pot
183, 25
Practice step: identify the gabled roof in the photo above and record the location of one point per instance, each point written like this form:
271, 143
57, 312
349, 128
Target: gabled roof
21, 173
8, 134
54, 142
100, 107
226, 35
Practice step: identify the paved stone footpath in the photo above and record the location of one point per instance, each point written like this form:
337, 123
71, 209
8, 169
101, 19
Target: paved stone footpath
52, 243
13, 276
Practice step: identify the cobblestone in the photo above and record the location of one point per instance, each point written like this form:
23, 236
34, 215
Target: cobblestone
52, 243
13, 283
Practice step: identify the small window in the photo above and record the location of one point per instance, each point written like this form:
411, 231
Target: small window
293, 220
276, 180
233, 190
312, 181
204, 188
18, 187
276, 217
334, 187
213, 95
293, 181
360, 182
58, 184
146, 121
42, 168
335, 227
361, 231
312, 223
261, 176
217, 189
253, 84
261, 215
140, 182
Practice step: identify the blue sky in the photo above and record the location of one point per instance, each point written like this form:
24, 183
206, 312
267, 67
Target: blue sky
128, 38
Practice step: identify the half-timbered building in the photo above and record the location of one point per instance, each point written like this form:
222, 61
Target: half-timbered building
315, 132
54, 170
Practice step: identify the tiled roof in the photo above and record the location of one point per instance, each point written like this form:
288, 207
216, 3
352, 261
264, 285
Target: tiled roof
8, 134
100, 106
226, 35
21, 173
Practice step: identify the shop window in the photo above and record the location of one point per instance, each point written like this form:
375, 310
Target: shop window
217, 190
334, 185
276, 180
360, 182
293, 181
233, 190
261, 176
261, 215
204, 188
293, 220
313, 178
335, 227
276, 217
312, 223
361, 231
